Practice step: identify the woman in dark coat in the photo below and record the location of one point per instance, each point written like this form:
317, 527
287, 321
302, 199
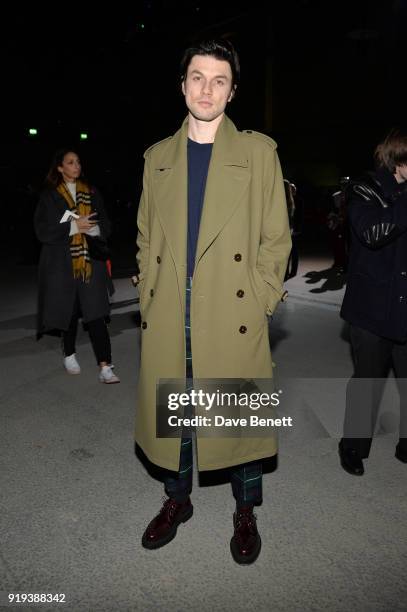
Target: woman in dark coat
70, 221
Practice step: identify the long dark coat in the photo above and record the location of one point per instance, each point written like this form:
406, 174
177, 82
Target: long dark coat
57, 286
242, 252
376, 292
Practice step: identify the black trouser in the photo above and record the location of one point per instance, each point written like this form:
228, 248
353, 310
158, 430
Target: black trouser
373, 356
98, 333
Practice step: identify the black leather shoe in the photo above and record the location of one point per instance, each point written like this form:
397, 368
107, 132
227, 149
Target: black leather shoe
351, 461
163, 528
401, 454
246, 543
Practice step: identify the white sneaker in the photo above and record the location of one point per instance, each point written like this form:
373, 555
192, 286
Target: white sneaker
71, 365
106, 375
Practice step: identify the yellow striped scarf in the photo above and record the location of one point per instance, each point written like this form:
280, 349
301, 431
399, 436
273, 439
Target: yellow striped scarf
81, 265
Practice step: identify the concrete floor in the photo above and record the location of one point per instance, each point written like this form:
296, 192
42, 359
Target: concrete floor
75, 500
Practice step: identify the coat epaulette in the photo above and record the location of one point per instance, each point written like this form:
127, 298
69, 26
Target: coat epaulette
272, 143
147, 151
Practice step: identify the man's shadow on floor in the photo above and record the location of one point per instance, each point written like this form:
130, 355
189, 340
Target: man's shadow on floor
335, 278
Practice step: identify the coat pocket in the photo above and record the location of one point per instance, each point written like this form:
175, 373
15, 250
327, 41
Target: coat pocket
141, 292
259, 288
369, 297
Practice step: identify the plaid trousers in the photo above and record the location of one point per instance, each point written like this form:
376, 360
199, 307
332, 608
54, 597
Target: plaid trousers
246, 479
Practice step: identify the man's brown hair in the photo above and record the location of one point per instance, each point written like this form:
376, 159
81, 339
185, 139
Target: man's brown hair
220, 49
392, 151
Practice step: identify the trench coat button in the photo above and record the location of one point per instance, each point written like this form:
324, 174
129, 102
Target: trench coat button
158, 259
240, 293
284, 296
144, 324
151, 292
238, 257
403, 273
243, 329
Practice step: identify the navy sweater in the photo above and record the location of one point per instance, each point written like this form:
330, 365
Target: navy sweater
199, 156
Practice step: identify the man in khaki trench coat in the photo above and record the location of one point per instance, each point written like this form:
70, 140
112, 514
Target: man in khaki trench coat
214, 241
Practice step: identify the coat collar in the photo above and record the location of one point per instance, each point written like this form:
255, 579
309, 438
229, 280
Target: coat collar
388, 182
228, 179
227, 146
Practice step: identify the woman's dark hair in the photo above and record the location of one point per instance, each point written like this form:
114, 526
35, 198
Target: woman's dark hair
54, 177
220, 49
392, 151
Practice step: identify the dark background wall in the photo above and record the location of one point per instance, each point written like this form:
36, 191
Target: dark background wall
325, 79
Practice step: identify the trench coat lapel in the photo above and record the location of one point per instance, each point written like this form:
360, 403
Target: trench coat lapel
170, 194
227, 182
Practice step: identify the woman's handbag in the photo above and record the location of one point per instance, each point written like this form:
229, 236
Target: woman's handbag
98, 248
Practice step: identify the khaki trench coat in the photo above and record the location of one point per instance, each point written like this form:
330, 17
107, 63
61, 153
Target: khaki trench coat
244, 244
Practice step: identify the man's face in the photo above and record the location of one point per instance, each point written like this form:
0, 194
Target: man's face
207, 87
401, 173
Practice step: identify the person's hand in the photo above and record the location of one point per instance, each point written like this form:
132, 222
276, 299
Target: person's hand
85, 223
